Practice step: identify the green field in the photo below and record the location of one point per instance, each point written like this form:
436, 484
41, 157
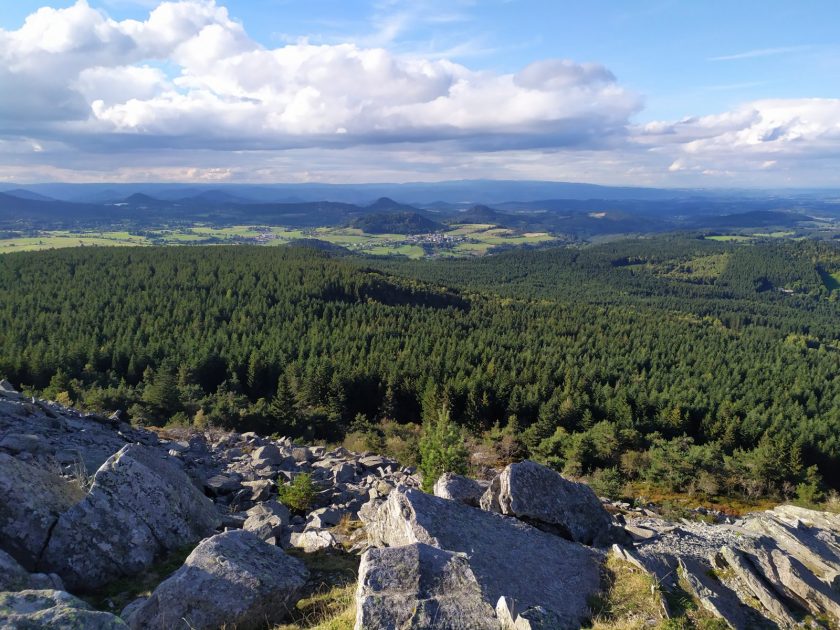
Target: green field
831, 280
461, 241
729, 238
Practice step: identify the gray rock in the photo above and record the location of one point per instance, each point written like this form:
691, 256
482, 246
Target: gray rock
313, 540
817, 552
139, 506
268, 455
23, 443
372, 462
534, 618
13, 577
31, 500
544, 498
218, 485
324, 517
344, 473
132, 607
267, 521
8, 390
712, 595
757, 588
507, 557
460, 488
813, 594
261, 489
232, 580
420, 587
301, 454
32, 609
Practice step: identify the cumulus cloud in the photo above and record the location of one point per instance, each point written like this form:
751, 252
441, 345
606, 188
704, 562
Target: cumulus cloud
76, 84
765, 135
102, 78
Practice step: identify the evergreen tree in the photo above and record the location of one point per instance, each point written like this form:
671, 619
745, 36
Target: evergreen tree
283, 410
441, 448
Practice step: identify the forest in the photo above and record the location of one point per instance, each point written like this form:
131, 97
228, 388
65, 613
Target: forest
685, 364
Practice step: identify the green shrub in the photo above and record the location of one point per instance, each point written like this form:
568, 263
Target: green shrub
298, 494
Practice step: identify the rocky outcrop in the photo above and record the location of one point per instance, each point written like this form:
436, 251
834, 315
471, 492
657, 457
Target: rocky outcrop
31, 500
232, 580
460, 488
542, 497
420, 587
764, 565
508, 558
62, 439
139, 506
33, 609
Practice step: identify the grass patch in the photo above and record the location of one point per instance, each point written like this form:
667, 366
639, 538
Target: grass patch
329, 603
831, 280
729, 238
629, 599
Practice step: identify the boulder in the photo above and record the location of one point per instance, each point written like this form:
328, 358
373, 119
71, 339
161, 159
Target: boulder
261, 489
534, 618
542, 497
32, 609
267, 521
14, 577
139, 506
231, 580
420, 587
344, 473
324, 517
217, 485
507, 557
313, 540
31, 500
460, 488
8, 390
268, 455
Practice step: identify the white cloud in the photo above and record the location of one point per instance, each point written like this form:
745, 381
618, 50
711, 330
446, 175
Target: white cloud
79, 67
186, 93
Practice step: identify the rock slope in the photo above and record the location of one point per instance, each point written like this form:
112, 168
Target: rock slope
86, 499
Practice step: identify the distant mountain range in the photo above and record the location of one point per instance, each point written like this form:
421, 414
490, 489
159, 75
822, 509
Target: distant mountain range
47, 206
462, 193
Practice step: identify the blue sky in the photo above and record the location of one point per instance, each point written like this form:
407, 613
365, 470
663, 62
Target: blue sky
646, 73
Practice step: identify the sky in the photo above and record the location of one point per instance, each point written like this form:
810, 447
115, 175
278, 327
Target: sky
649, 92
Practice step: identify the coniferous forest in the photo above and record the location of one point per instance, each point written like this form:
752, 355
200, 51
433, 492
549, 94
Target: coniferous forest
685, 363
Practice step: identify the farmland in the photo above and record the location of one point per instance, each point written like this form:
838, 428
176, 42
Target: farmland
463, 240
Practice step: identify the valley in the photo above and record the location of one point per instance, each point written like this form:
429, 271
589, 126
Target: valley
458, 241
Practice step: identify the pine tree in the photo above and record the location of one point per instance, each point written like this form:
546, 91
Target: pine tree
441, 448
283, 408
162, 395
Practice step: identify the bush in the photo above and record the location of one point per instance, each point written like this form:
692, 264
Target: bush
607, 482
298, 494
